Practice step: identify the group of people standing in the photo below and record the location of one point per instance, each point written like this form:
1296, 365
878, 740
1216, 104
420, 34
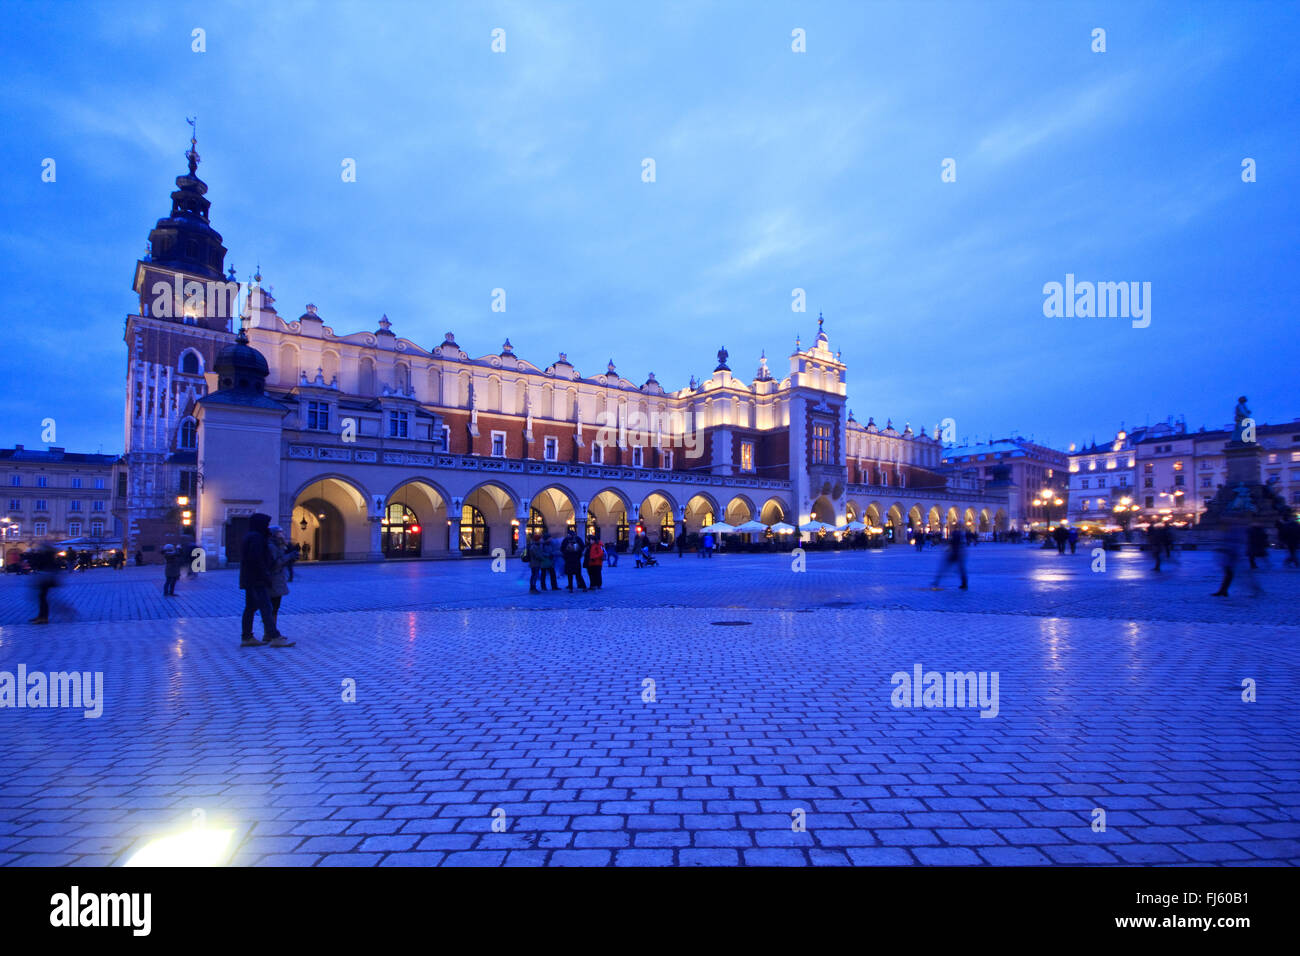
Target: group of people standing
543, 554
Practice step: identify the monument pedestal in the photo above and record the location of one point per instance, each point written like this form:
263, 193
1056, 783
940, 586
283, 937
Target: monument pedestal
1243, 499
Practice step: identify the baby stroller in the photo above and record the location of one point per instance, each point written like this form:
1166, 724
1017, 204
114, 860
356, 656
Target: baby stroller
644, 559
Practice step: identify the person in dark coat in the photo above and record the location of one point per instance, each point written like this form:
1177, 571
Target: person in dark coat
1288, 535
551, 557
1062, 536
571, 549
172, 560
956, 555
44, 561
1256, 545
256, 565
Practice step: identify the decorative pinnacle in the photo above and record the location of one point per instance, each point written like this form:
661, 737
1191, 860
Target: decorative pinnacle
192, 154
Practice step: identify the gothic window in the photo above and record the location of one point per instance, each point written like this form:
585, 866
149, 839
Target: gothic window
190, 363
189, 435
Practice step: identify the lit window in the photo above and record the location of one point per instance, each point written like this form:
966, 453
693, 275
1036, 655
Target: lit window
821, 445
746, 456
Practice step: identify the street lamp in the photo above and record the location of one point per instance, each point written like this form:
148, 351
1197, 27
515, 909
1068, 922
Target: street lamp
1045, 500
1124, 512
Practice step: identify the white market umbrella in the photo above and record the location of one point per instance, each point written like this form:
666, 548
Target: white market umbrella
854, 526
752, 527
782, 528
719, 527
816, 526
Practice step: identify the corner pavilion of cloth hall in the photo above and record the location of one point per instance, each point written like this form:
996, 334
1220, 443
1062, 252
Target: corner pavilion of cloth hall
368, 445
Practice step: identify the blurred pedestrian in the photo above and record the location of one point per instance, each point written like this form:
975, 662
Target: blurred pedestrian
1256, 545
956, 555
44, 562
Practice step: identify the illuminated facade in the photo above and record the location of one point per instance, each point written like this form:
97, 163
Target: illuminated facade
368, 444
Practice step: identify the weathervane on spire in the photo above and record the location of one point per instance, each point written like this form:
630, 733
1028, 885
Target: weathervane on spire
193, 153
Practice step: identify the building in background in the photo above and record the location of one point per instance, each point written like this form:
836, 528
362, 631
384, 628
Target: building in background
370, 445
56, 495
1036, 477
1166, 473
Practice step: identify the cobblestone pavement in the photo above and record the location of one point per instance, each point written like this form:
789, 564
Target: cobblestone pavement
772, 694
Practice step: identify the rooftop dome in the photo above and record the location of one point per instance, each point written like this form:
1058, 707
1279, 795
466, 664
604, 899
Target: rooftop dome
240, 367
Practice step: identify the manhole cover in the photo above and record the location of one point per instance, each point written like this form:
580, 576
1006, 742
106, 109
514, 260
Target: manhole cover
731, 623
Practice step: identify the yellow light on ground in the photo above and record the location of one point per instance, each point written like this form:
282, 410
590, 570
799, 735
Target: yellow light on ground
196, 846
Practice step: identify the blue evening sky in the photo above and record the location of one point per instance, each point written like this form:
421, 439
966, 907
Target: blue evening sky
775, 171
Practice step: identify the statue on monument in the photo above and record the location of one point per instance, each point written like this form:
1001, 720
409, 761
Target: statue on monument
1239, 415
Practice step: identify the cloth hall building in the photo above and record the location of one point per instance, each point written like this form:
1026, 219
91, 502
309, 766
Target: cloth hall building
367, 445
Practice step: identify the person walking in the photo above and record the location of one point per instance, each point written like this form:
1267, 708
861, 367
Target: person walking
256, 563
594, 559
1156, 544
611, 554
139, 557
571, 550
1231, 546
171, 569
1061, 536
956, 555
281, 566
1074, 539
44, 562
708, 544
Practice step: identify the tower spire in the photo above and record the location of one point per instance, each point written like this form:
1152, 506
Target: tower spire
192, 154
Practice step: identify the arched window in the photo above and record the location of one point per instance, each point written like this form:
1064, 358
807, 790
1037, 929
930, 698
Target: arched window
402, 533
667, 528
189, 439
473, 531
190, 363
366, 377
